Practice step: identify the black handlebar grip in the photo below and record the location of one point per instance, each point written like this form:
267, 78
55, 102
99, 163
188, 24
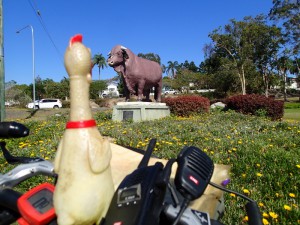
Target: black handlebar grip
13, 130
8, 216
9, 199
254, 215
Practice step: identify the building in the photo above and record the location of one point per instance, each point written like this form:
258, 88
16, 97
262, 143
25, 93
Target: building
111, 91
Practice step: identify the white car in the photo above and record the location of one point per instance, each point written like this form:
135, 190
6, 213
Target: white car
171, 92
45, 104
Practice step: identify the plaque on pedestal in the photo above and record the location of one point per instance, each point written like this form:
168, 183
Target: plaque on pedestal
139, 111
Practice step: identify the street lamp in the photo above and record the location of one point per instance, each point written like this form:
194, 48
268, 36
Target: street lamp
33, 60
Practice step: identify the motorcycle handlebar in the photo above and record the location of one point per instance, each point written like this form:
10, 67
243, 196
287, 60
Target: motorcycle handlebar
13, 130
254, 215
9, 198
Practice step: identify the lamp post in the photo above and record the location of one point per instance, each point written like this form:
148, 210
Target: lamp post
33, 59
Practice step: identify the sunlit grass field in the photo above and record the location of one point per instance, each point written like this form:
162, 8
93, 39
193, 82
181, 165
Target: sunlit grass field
264, 155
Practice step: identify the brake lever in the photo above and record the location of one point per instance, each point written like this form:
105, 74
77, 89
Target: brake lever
17, 159
25, 171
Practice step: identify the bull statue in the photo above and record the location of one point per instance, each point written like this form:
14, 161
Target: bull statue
138, 74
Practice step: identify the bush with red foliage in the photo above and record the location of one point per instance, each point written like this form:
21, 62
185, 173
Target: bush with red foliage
187, 105
252, 104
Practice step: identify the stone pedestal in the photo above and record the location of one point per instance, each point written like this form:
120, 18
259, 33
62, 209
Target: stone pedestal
139, 111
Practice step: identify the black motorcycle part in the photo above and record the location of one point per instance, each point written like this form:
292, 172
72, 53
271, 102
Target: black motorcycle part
194, 172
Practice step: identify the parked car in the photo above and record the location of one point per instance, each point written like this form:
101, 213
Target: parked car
171, 92
10, 103
45, 104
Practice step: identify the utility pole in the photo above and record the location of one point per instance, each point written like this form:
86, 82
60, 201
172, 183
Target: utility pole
2, 77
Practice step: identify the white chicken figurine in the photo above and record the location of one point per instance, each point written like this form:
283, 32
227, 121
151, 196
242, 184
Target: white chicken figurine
85, 187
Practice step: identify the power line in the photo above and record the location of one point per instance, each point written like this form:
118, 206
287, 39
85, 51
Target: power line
39, 16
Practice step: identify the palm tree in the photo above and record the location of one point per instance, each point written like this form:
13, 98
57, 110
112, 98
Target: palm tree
171, 68
100, 61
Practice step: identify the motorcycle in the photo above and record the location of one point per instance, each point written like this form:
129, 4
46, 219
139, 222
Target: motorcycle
146, 196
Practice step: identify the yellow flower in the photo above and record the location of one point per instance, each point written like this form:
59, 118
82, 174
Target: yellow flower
292, 195
273, 215
288, 208
232, 195
261, 204
245, 218
265, 215
246, 191
258, 174
258, 165
265, 222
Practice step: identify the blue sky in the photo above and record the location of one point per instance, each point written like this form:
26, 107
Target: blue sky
175, 30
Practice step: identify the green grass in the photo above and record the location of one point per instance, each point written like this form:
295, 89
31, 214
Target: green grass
292, 105
264, 155
292, 114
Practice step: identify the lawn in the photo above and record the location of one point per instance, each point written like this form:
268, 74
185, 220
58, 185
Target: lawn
292, 114
264, 155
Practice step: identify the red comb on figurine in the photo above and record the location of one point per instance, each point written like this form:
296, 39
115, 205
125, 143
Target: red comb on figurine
76, 38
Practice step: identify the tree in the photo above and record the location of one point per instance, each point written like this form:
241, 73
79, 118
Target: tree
288, 12
167, 83
171, 68
100, 61
96, 87
267, 41
284, 64
190, 80
55, 89
189, 66
39, 88
222, 73
237, 42
18, 93
150, 56
65, 87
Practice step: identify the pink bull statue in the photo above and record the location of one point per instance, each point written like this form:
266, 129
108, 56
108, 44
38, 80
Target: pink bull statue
139, 75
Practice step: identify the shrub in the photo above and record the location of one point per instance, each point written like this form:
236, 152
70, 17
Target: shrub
103, 115
65, 104
256, 104
187, 105
101, 102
